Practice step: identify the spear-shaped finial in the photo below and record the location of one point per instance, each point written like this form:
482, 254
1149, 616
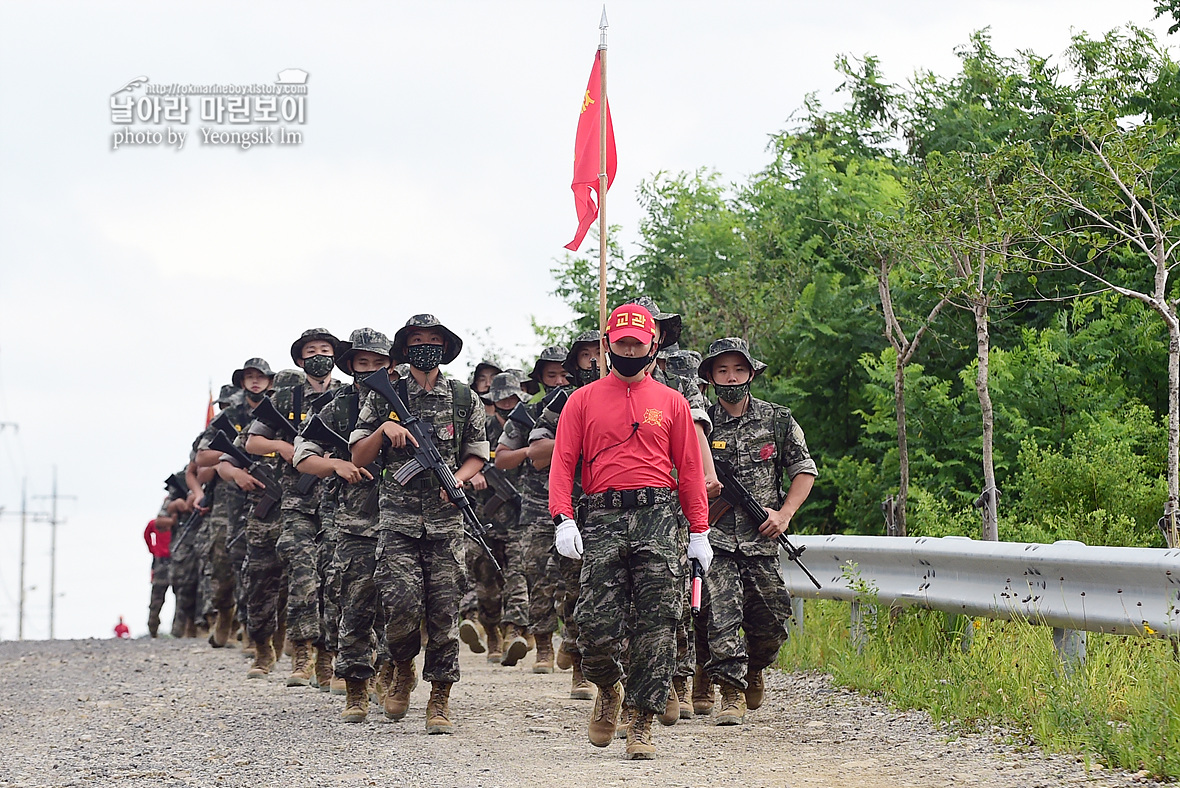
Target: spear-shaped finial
602, 25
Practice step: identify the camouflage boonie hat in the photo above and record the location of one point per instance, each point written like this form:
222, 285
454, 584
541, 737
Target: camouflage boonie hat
402, 370
728, 345
289, 378
362, 340
552, 353
310, 335
505, 385
667, 350
485, 364
684, 363
252, 363
669, 321
585, 338
528, 384
226, 395
454, 344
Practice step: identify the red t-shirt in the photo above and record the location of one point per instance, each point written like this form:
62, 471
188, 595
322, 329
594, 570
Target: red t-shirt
596, 426
159, 543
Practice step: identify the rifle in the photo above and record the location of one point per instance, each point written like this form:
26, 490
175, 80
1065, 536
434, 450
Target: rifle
224, 423
428, 459
193, 521
520, 414
734, 495
502, 490
268, 414
318, 432
176, 486
271, 492
551, 405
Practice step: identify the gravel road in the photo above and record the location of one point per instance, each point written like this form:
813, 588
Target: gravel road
178, 713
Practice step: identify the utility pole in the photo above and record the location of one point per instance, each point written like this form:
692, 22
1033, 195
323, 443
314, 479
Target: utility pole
53, 523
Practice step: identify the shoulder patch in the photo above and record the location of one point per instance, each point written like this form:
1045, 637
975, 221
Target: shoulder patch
719, 444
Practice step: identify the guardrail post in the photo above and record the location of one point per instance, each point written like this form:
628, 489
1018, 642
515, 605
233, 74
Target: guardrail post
861, 614
962, 627
795, 623
1071, 648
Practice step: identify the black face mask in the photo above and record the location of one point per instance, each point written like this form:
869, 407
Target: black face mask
585, 376
732, 394
253, 398
630, 366
318, 366
503, 412
424, 357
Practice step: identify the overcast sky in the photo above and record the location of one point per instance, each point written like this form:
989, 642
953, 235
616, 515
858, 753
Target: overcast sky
433, 176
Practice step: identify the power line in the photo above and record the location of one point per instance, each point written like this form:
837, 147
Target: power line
53, 523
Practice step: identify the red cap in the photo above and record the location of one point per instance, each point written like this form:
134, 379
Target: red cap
630, 320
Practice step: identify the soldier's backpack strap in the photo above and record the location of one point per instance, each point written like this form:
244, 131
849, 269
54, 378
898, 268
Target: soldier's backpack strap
460, 412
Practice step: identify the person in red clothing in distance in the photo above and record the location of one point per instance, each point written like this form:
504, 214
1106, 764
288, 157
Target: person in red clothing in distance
122, 630
630, 433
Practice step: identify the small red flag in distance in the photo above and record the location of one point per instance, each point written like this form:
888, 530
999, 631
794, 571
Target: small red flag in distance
586, 155
209, 410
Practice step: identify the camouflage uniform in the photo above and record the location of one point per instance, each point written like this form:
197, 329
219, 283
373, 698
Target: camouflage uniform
420, 555
297, 541
501, 599
350, 601
184, 574
746, 592
160, 583
265, 580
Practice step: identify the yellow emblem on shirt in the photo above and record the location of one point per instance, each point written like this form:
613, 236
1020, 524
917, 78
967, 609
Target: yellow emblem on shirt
718, 444
654, 417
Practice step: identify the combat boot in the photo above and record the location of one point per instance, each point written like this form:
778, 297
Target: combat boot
323, 669
338, 687
201, 630
733, 705
671, 712
680, 687
624, 722
469, 634
495, 645
755, 689
438, 709
703, 697
301, 664
604, 718
264, 660
405, 678
247, 644
544, 662
154, 625
225, 624
356, 707
383, 681
190, 628
565, 657
516, 647
639, 744
580, 689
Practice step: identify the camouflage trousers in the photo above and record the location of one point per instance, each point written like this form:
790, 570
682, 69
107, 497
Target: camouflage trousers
567, 600
235, 548
746, 593
632, 574
543, 576
300, 555
419, 581
183, 573
218, 572
329, 589
266, 584
360, 615
160, 584
500, 599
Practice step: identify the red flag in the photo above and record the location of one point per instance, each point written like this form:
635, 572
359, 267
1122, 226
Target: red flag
586, 155
209, 410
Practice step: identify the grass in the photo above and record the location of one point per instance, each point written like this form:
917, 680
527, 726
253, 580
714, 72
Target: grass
1122, 706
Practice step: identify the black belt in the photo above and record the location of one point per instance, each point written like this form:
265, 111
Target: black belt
424, 481
628, 499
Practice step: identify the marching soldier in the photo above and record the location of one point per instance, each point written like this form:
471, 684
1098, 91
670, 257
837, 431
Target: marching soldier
761, 441
420, 551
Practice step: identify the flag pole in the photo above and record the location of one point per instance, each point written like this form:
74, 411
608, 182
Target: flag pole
602, 185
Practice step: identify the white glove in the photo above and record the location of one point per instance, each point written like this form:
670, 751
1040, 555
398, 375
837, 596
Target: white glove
568, 540
700, 549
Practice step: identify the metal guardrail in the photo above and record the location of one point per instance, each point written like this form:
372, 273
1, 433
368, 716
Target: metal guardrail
1066, 585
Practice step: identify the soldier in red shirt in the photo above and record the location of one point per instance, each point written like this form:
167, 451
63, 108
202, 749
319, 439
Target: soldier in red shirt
629, 432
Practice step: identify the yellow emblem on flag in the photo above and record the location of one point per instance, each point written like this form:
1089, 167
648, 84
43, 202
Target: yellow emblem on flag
586, 102
718, 444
